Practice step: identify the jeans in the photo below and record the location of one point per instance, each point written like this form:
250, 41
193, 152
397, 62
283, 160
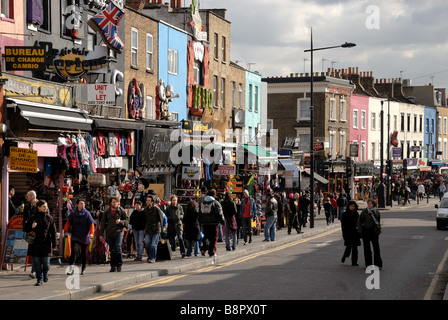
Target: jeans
191, 244
341, 212
269, 228
116, 259
151, 242
172, 239
139, 236
75, 249
246, 224
41, 266
230, 233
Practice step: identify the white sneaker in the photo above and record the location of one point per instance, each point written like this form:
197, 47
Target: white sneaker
70, 270
33, 275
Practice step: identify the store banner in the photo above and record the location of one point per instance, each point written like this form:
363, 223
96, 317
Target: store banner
191, 173
21, 159
156, 146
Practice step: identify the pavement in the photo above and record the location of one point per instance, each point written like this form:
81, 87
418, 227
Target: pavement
17, 285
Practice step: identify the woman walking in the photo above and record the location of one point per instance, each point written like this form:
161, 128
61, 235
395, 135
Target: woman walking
349, 223
42, 224
82, 227
369, 227
192, 227
229, 210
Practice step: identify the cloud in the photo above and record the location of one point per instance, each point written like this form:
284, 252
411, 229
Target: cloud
412, 35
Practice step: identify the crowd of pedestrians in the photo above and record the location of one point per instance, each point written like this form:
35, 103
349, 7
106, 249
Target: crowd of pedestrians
194, 229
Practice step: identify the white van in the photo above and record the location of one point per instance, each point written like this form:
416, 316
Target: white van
442, 213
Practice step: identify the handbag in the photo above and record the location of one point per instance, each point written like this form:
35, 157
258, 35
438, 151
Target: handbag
377, 224
30, 237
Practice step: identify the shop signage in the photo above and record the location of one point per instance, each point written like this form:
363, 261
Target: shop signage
191, 173
73, 64
101, 94
196, 22
291, 143
318, 146
354, 149
226, 170
21, 159
156, 147
25, 59
191, 127
342, 91
396, 152
15, 247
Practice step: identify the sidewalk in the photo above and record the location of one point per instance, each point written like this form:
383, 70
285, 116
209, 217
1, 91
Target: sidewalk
17, 285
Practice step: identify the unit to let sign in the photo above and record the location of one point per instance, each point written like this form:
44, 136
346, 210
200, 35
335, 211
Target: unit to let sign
25, 58
101, 94
21, 159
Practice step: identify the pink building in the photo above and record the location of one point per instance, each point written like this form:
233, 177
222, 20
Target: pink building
359, 125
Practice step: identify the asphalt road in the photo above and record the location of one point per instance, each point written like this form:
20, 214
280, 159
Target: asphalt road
413, 252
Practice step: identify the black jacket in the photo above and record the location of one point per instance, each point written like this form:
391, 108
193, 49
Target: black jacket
45, 231
349, 222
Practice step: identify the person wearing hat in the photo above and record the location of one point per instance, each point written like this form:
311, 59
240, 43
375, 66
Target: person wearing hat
349, 222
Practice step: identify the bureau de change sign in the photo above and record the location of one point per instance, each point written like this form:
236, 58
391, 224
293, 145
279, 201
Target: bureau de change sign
21, 159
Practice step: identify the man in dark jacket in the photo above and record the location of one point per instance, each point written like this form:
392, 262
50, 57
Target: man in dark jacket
210, 216
113, 221
175, 215
153, 228
271, 217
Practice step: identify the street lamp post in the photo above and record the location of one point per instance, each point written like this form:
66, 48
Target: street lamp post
345, 45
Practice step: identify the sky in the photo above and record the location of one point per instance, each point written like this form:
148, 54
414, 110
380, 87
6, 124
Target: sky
395, 38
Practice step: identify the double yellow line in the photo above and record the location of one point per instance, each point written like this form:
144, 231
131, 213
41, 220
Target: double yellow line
168, 279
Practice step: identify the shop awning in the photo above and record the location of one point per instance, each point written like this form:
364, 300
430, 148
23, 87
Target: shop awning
318, 177
262, 154
112, 124
289, 165
45, 115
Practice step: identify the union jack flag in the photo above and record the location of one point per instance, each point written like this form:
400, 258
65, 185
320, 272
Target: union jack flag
108, 20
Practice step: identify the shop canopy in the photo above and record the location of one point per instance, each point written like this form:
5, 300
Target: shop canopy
263, 155
289, 165
123, 124
50, 116
318, 177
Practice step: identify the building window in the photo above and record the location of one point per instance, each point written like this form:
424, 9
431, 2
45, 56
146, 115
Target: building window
303, 110
223, 49
45, 26
355, 119
332, 109
149, 52
256, 99
363, 119
215, 91
342, 110
197, 70
134, 47
150, 108
241, 94
402, 122
233, 93
215, 48
363, 151
395, 122
373, 121
223, 92
172, 61
7, 9
372, 151
445, 125
415, 123
409, 122
250, 97
420, 129
91, 36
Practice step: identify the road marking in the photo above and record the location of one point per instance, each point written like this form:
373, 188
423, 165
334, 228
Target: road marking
436, 277
169, 279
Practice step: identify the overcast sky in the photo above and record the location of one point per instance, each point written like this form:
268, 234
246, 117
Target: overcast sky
393, 37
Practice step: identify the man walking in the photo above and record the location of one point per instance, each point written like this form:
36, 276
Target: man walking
209, 217
271, 218
248, 211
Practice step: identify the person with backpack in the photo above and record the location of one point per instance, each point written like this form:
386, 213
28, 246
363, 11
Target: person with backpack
113, 221
210, 216
328, 209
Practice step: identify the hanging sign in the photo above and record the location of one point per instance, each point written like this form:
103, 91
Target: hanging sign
191, 173
24, 58
21, 159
